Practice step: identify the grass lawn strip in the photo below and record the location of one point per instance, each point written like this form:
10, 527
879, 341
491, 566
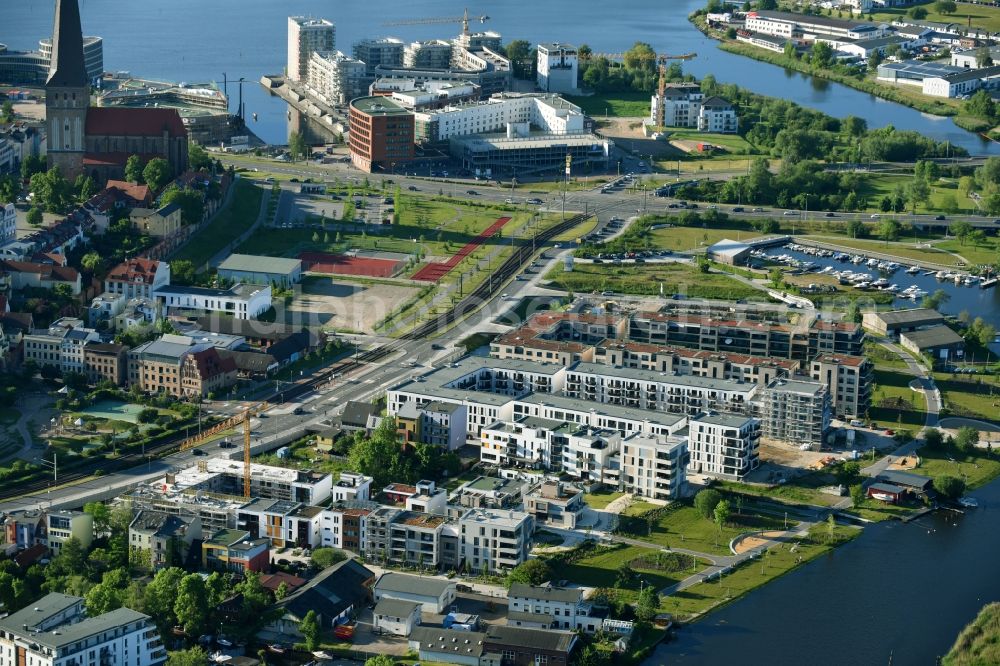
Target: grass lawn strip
229, 223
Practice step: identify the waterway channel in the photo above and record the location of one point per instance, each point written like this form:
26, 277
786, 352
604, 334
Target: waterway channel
194, 40
898, 594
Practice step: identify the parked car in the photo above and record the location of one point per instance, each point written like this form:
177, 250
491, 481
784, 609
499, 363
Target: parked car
535, 202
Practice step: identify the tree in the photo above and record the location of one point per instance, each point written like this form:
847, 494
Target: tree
297, 147
949, 486
961, 229
92, 262
648, 604
945, 7
529, 572
191, 604
156, 173
195, 656
918, 13
7, 112
705, 502
108, 594
379, 660
182, 272
933, 438
822, 53
831, 527
133, 169
199, 158
857, 495
519, 54
966, 438
192, 203
981, 104
85, 187
281, 592
378, 454
849, 473
624, 575
856, 229
309, 628
35, 217
148, 415
327, 557
935, 300
51, 190
777, 277
721, 513
101, 514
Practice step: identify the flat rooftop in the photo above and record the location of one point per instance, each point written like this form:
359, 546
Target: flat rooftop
379, 106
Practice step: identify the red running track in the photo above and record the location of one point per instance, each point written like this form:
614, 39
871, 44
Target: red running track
435, 271
339, 264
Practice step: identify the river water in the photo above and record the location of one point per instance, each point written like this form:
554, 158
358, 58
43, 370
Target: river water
198, 40
898, 592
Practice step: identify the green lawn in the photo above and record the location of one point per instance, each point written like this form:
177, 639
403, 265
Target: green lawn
599, 570
879, 185
975, 396
799, 490
683, 527
982, 16
894, 402
675, 278
622, 105
985, 253
227, 225
779, 560
680, 239
733, 143
882, 357
601, 499
976, 468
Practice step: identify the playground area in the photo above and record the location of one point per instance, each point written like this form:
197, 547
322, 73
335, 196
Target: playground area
111, 410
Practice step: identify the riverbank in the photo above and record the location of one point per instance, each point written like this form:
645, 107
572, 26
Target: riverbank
912, 99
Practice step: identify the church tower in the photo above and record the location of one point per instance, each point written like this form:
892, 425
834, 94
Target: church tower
67, 92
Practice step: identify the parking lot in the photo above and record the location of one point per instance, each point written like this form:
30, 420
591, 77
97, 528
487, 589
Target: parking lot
336, 303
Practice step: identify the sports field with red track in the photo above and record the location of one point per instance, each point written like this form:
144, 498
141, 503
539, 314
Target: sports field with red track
339, 264
433, 272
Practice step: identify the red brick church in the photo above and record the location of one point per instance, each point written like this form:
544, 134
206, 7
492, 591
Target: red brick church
98, 141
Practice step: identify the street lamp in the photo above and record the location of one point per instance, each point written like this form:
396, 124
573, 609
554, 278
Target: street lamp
54, 466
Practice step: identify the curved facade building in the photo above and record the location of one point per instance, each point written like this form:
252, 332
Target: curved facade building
31, 68
93, 55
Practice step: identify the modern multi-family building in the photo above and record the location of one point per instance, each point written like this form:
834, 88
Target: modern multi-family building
61, 526
431, 54
795, 411
723, 445
438, 423
305, 37
243, 301
849, 379
336, 77
557, 68
654, 466
235, 551
55, 631
794, 25
8, 222
555, 503
684, 105
494, 540
548, 114
381, 134
379, 52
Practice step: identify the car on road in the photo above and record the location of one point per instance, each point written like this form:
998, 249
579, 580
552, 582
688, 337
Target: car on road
791, 212
198, 452
737, 209
298, 410
874, 216
607, 293
939, 217
412, 188
505, 296
509, 200
535, 202
472, 192
757, 210
830, 214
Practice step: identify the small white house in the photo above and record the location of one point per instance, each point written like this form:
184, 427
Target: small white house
396, 617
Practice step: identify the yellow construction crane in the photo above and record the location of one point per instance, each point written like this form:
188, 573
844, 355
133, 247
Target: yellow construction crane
660, 58
230, 423
464, 20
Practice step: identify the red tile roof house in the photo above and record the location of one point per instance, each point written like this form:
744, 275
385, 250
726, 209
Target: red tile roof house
44, 276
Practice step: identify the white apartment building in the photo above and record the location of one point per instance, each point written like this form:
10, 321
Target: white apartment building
61, 526
557, 68
549, 607
351, 486
431, 54
242, 301
505, 112
61, 345
495, 540
8, 223
644, 389
723, 445
336, 77
807, 26
55, 631
653, 466
305, 37
379, 52
684, 105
